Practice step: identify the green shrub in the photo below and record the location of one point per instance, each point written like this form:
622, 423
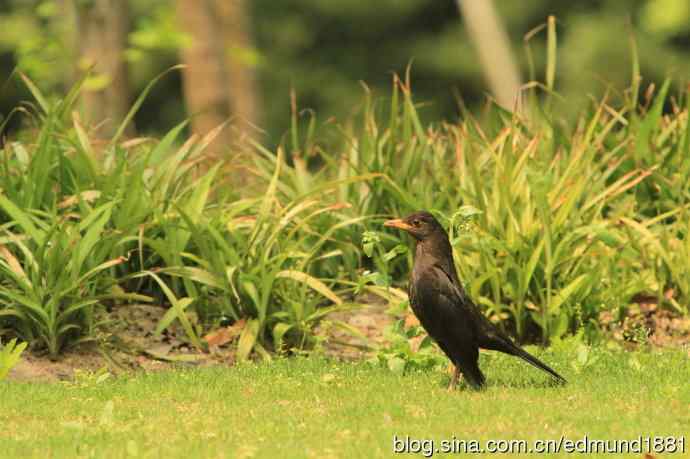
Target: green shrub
571, 219
262, 258
52, 273
72, 217
558, 236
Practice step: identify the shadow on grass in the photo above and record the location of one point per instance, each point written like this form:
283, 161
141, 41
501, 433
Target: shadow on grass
526, 383
507, 383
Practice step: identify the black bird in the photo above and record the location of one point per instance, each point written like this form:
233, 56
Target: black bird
443, 308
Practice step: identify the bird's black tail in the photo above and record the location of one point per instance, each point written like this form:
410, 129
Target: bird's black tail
504, 344
532, 360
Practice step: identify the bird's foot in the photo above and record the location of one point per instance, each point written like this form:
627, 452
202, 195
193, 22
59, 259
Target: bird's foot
454, 379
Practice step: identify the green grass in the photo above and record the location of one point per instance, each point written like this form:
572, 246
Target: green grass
319, 408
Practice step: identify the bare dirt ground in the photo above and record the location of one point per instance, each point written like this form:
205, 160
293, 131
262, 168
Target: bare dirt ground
369, 323
132, 345
645, 323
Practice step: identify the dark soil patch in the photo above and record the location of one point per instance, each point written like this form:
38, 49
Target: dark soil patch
130, 345
368, 323
35, 368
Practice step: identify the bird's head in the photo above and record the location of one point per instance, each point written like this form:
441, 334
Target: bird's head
422, 225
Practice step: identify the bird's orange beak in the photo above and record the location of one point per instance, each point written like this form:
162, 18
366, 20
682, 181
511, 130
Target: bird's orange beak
398, 223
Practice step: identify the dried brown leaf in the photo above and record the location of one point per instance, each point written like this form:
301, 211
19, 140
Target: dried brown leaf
226, 334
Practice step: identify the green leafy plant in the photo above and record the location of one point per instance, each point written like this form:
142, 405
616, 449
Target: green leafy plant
256, 257
401, 356
71, 224
10, 353
55, 273
373, 248
87, 378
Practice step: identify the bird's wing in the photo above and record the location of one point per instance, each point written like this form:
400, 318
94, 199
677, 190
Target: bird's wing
485, 330
450, 287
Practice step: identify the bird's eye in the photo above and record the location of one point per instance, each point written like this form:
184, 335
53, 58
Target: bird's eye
415, 223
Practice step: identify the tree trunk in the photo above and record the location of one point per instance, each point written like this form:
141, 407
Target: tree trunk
103, 27
204, 78
66, 24
491, 41
238, 51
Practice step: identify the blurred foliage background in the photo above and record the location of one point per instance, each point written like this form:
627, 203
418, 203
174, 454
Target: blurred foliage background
324, 49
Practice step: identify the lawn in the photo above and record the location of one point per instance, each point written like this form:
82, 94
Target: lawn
314, 407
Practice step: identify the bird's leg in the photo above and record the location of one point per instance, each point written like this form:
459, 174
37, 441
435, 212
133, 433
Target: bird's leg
454, 379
